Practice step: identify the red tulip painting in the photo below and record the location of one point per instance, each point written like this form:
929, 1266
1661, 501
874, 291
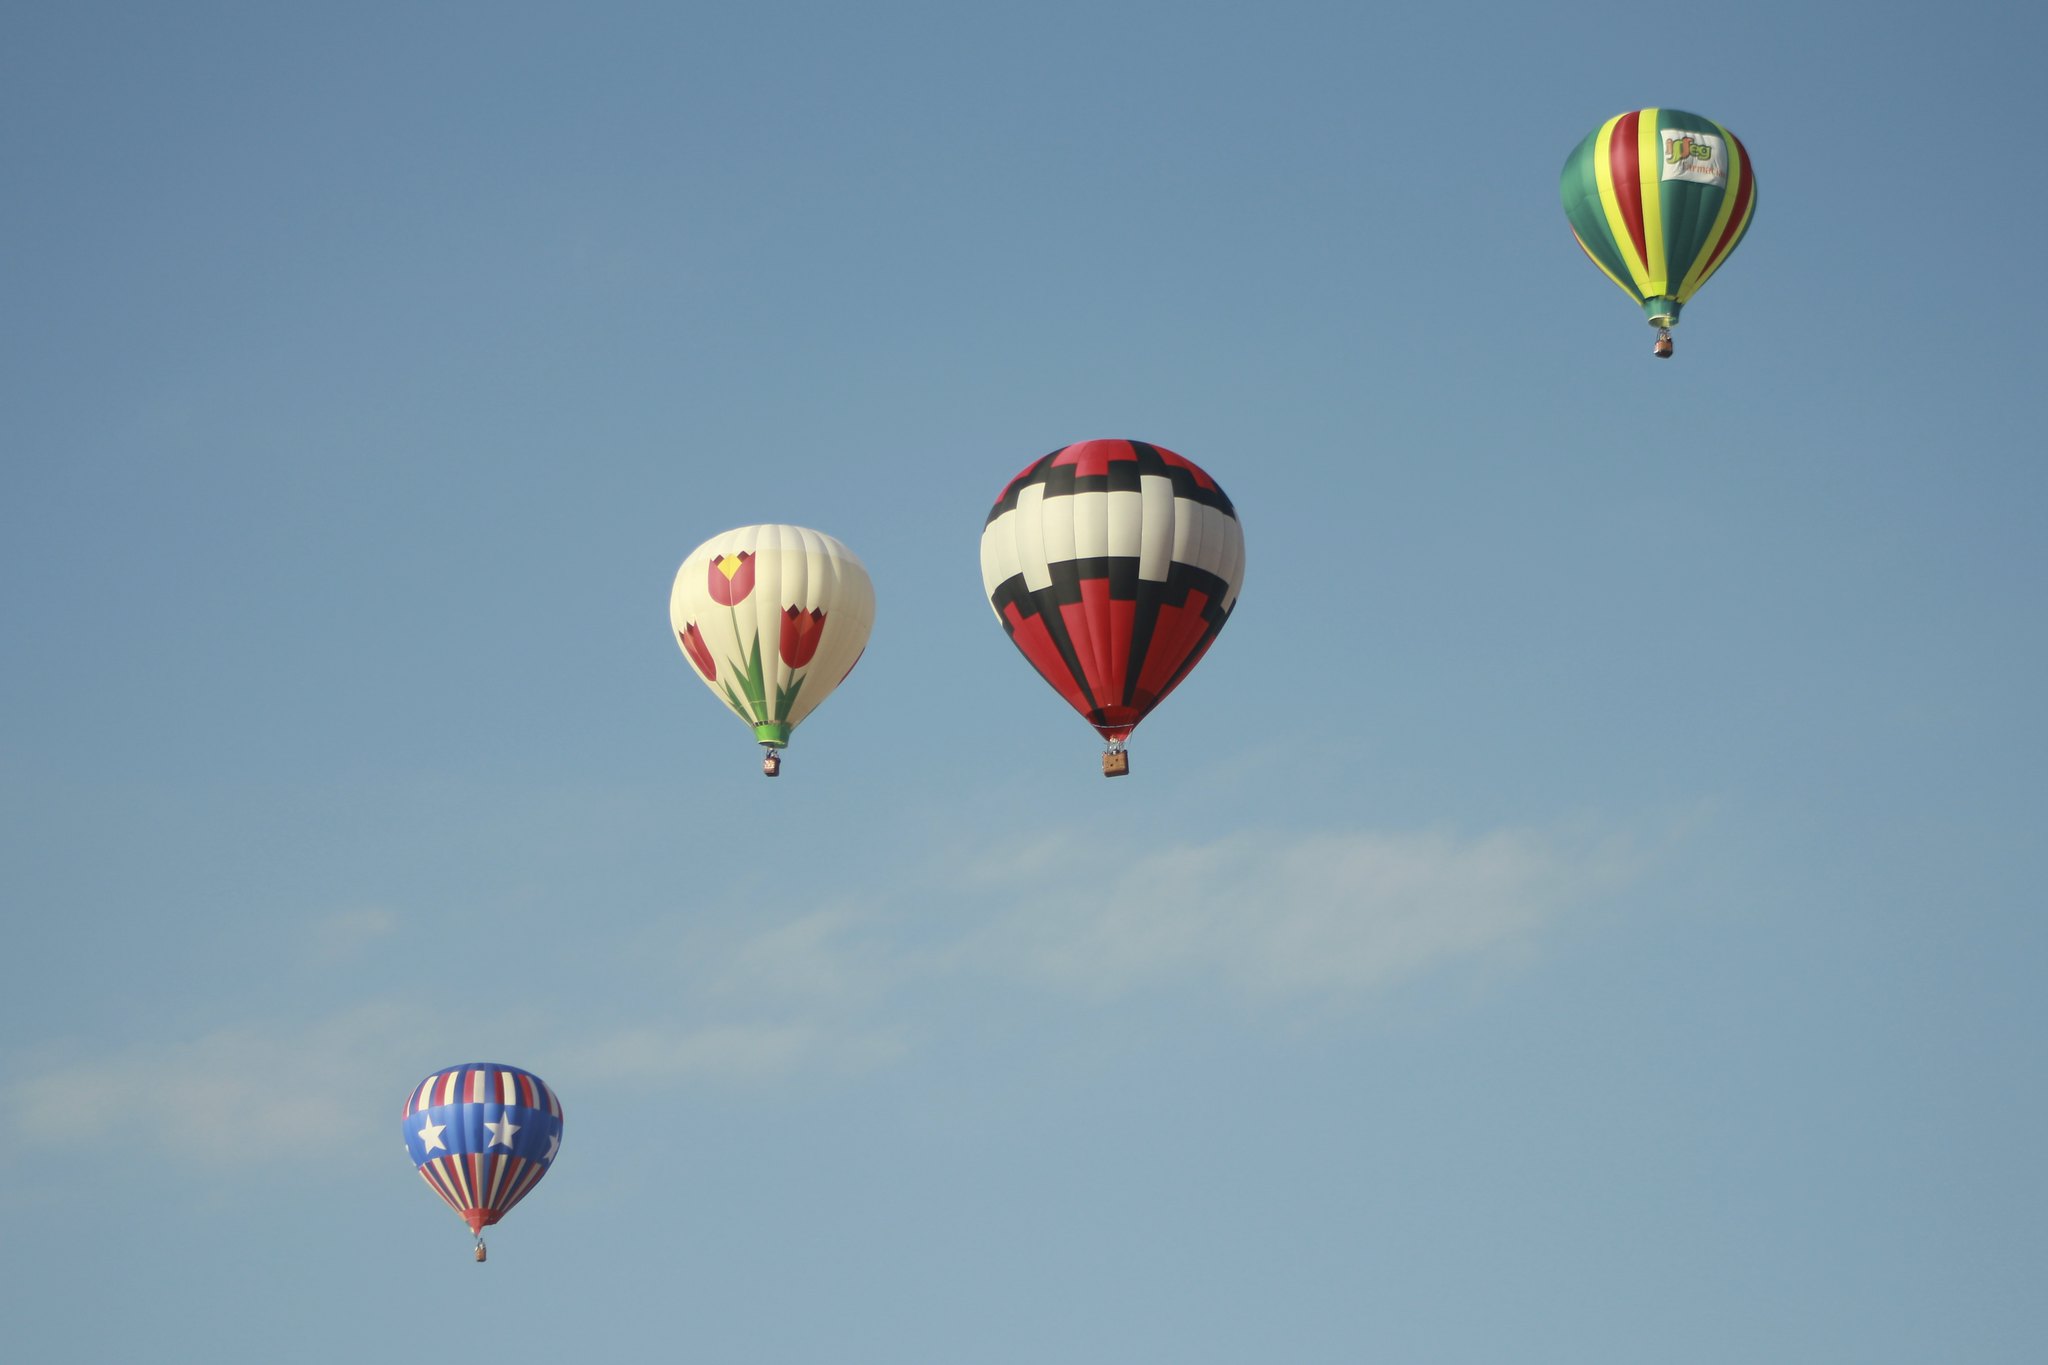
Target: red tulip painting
801, 631
692, 641
730, 578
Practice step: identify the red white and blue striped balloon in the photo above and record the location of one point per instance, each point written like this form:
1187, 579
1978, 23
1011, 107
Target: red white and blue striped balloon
482, 1135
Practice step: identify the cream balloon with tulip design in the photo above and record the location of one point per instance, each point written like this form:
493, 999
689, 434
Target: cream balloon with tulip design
772, 618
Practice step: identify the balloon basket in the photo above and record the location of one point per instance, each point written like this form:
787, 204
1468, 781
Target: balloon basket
1115, 763
771, 764
480, 1252
1662, 350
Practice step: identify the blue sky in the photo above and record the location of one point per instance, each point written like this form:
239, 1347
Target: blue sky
1585, 908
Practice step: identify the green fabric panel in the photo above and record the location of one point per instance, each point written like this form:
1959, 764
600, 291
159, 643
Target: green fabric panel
1579, 187
1689, 207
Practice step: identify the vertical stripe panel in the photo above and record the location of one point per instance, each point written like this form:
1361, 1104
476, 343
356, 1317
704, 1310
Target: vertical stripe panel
1709, 240
529, 1174
1602, 264
1619, 196
1743, 200
1230, 562
1030, 536
1127, 524
428, 1174
1091, 525
1650, 186
1188, 527
1155, 532
1578, 185
449, 1171
1091, 541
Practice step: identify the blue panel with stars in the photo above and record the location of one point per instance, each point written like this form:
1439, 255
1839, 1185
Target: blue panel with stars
488, 1128
482, 1135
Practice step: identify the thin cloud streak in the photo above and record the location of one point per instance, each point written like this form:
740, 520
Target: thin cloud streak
1280, 920
229, 1096
658, 1056
1272, 917
264, 1094
347, 935
1276, 918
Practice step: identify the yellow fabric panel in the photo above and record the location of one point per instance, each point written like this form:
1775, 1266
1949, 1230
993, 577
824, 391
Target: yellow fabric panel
1649, 155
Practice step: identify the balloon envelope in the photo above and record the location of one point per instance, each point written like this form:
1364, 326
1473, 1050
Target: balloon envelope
482, 1135
772, 618
1659, 198
1113, 565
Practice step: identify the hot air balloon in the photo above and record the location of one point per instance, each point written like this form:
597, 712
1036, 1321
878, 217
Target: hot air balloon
482, 1134
1658, 198
773, 618
1112, 565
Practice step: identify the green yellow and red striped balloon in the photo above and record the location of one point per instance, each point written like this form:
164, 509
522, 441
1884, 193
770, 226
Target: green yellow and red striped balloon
1658, 198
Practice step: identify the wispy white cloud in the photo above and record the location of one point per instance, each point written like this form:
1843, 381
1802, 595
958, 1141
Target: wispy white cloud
225, 1096
726, 1052
346, 935
279, 1094
1329, 916
1276, 917
1272, 916
1322, 919
838, 958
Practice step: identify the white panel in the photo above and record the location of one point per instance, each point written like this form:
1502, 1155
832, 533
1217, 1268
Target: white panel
1187, 532
1126, 524
1091, 524
1155, 548
760, 612
1056, 526
998, 553
1231, 566
1209, 537
1031, 537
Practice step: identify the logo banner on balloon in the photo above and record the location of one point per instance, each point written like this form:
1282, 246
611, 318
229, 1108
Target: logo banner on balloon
1699, 157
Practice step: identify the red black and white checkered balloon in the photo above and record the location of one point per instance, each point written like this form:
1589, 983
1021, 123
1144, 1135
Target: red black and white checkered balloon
1113, 565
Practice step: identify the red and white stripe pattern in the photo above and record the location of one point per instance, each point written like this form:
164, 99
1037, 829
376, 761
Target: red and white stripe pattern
482, 1188
480, 1084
